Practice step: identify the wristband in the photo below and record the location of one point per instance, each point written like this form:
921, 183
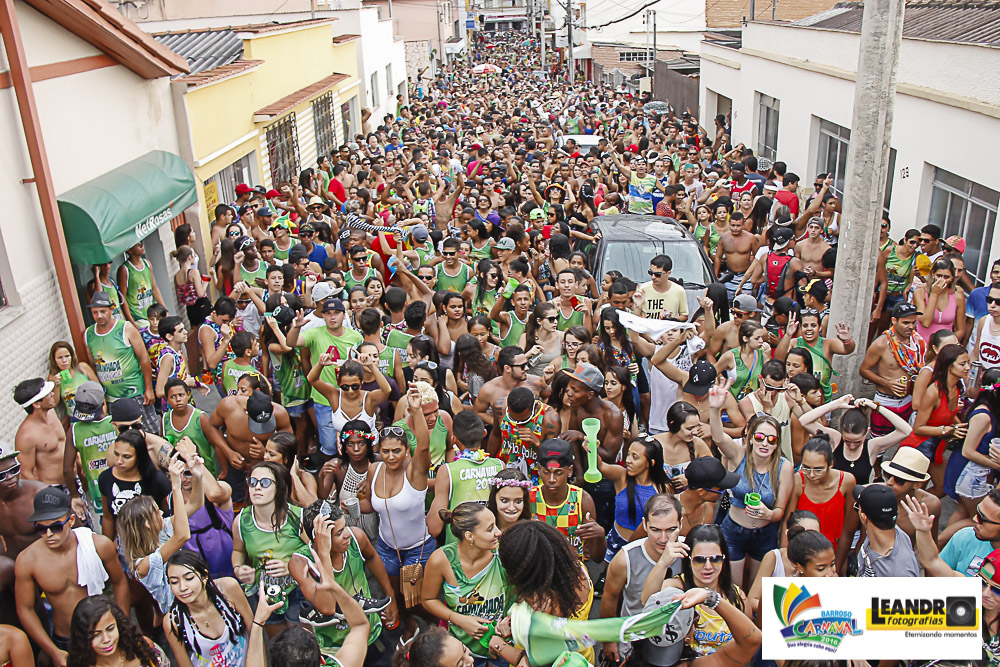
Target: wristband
256, 623
713, 599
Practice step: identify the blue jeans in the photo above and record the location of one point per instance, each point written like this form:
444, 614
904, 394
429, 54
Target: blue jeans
753, 542
327, 434
391, 558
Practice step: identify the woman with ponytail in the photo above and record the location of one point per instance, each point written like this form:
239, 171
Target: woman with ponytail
474, 582
209, 621
776, 562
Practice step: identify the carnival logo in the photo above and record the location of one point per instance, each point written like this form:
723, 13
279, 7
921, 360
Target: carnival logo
824, 629
152, 222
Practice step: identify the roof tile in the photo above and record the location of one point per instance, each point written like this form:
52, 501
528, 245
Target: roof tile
286, 103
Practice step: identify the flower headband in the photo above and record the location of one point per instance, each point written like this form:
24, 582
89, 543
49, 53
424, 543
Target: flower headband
344, 435
500, 483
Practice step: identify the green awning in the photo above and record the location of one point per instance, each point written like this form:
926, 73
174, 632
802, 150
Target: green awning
113, 212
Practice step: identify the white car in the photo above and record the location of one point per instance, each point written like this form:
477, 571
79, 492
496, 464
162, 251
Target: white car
584, 142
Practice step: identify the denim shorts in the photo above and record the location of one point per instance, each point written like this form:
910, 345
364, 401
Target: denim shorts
753, 542
973, 482
390, 557
324, 424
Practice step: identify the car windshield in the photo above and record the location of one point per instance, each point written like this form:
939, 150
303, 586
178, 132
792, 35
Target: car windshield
632, 259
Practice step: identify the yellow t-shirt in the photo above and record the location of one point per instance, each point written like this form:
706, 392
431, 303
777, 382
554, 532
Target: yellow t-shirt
674, 300
583, 613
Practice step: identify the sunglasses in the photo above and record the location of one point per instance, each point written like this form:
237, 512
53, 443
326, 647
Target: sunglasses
551, 318
393, 431
812, 471
770, 388
262, 482
924, 241
714, 560
428, 365
993, 300
521, 366
306, 234
655, 274
126, 427
10, 472
988, 584
981, 518
56, 528
761, 437
350, 387
449, 254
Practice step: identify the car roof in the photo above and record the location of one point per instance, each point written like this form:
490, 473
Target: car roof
640, 228
583, 139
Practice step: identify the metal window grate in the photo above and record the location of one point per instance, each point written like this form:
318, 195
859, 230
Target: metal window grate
964, 208
323, 120
283, 150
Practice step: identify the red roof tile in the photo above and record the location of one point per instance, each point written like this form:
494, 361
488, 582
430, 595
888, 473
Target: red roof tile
278, 108
219, 73
341, 39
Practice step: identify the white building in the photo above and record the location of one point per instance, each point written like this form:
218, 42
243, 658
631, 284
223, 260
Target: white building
790, 88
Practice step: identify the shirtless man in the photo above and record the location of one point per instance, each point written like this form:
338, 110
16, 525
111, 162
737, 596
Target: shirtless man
511, 363
738, 249
16, 532
811, 249
50, 566
726, 335
40, 438
892, 362
248, 422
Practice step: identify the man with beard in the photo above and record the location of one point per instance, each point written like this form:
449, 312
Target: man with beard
892, 363
511, 362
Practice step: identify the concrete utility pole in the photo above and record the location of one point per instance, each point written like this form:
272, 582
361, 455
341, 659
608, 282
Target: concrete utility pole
867, 166
569, 37
541, 39
440, 54
652, 72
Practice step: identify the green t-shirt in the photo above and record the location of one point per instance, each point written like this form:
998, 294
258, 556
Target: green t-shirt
640, 192
92, 440
262, 544
250, 277
231, 374
319, 340
353, 579
115, 362
191, 429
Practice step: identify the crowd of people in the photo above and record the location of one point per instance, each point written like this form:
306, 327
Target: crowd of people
404, 364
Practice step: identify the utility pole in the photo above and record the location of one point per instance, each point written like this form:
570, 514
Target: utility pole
569, 37
867, 167
440, 53
652, 73
541, 39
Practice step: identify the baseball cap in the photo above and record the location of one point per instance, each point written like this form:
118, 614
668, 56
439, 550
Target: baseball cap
283, 315
89, 400
707, 472
817, 288
956, 242
243, 189
536, 214
260, 413
307, 227
770, 186
272, 193
51, 503
701, 377
877, 501
505, 243
100, 300
904, 309
746, 303
332, 305
781, 237
419, 233
7, 450
265, 212
589, 375
555, 450
126, 410
243, 242
322, 291
664, 648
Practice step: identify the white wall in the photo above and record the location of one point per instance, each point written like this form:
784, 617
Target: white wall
939, 131
378, 48
91, 122
678, 23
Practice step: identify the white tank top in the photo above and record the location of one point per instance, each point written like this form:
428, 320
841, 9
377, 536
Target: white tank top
779, 564
406, 509
340, 417
989, 344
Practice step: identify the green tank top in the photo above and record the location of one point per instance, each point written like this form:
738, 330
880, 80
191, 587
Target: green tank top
713, 240
387, 361
517, 328
69, 382
352, 578
250, 277
898, 271
486, 252
425, 252
282, 254
485, 595
439, 442
231, 374
747, 377
398, 340
483, 306
821, 367
350, 281
139, 291
192, 429
115, 362
574, 320
295, 389
454, 283
470, 482
92, 440
262, 544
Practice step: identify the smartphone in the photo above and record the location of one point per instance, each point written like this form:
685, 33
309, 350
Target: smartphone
574, 301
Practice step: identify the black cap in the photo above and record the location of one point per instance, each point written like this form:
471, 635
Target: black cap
126, 410
701, 377
781, 236
555, 450
51, 503
904, 309
707, 472
877, 501
331, 305
260, 413
243, 242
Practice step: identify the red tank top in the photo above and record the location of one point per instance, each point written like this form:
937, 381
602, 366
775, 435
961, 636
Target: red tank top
942, 415
829, 513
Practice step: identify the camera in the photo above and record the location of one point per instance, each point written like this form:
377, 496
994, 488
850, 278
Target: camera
960, 612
